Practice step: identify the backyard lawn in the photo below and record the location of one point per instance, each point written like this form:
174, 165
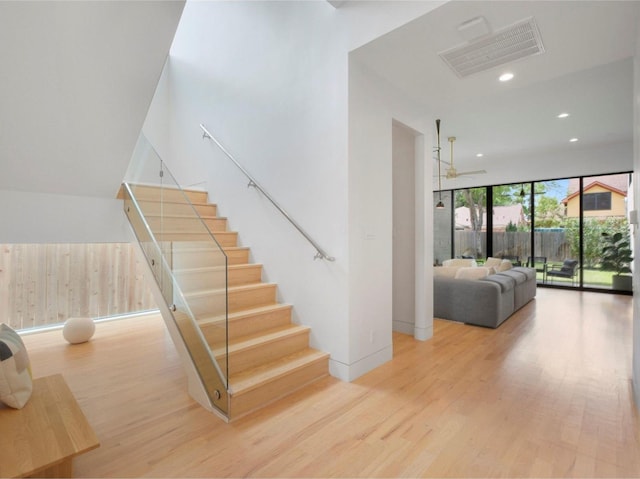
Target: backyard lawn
592, 277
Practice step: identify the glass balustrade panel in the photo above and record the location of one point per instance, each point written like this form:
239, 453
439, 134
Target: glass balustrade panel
177, 232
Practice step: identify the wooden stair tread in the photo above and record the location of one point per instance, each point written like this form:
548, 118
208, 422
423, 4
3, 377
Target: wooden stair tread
185, 216
242, 287
180, 248
196, 231
205, 269
244, 313
250, 379
269, 336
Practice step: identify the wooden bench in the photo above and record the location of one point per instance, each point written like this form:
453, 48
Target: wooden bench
42, 438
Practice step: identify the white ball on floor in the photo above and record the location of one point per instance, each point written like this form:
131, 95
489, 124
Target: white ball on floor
78, 330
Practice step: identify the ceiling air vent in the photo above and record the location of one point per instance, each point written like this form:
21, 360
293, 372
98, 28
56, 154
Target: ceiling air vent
517, 41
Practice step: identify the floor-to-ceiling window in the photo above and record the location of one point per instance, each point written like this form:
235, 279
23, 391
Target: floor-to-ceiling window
511, 222
605, 239
551, 237
573, 231
470, 216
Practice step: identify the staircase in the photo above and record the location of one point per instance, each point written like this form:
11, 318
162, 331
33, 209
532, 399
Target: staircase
267, 356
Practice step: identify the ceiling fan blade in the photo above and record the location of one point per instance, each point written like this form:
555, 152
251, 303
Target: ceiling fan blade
477, 172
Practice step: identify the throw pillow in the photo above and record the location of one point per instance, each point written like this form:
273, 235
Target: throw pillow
492, 262
15, 369
471, 273
505, 265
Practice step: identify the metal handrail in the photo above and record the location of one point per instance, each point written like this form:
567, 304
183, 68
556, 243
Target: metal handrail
320, 253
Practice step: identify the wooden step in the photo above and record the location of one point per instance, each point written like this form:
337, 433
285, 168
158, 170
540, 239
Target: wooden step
187, 223
240, 274
214, 277
158, 193
177, 209
209, 303
224, 238
195, 255
246, 322
264, 384
252, 351
237, 255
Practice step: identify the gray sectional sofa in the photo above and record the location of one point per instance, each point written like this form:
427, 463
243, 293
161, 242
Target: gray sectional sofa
484, 302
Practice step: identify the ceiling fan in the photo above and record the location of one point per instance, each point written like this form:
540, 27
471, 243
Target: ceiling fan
451, 172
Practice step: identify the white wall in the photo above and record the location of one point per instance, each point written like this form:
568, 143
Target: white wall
270, 81
403, 141
373, 105
47, 218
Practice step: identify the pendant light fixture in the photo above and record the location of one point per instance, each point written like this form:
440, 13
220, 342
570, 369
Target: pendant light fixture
440, 204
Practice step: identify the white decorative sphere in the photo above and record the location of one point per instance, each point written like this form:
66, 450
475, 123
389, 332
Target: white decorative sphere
78, 330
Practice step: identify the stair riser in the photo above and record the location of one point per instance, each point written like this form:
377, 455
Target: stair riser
253, 298
278, 388
253, 324
202, 259
223, 239
177, 209
238, 256
215, 278
151, 193
213, 304
242, 276
242, 360
173, 223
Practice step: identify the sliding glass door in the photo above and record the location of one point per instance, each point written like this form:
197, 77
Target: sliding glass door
511, 225
470, 216
606, 235
574, 231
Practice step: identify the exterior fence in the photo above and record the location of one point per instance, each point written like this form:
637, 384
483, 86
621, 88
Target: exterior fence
554, 245
45, 284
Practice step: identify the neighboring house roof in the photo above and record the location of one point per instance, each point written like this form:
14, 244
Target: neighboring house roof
617, 182
502, 216
593, 184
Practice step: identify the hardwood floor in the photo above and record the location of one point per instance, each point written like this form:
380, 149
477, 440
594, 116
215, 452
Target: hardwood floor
547, 394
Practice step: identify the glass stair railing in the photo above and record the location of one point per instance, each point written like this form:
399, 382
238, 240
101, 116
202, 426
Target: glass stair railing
172, 233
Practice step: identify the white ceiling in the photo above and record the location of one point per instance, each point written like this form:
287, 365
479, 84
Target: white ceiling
586, 70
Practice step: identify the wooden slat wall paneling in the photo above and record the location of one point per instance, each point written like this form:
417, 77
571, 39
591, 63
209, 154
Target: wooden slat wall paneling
45, 284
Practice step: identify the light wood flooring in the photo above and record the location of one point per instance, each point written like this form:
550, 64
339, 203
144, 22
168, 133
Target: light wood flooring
548, 394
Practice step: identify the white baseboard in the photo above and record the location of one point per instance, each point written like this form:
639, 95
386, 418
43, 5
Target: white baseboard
402, 327
422, 334
350, 372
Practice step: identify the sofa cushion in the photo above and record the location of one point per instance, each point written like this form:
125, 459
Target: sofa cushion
471, 273
505, 282
530, 273
518, 276
459, 262
447, 271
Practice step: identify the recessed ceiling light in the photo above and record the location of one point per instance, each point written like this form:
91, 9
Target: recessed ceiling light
506, 77
479, 155
573, 140
563, 115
